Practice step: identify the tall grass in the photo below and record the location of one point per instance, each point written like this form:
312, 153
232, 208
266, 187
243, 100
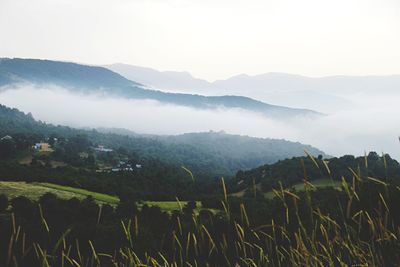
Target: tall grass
304, 236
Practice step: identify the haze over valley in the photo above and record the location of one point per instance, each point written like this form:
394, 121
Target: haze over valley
338, 121
220, 133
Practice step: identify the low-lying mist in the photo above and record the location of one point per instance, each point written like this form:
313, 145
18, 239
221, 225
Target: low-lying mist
370, 123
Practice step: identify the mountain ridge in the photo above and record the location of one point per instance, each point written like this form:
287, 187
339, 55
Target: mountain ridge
272, 74
326, 94
84, 78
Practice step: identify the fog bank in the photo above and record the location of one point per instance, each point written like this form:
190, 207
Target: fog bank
370, 124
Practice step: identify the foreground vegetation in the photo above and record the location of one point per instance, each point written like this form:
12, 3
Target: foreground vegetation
355, 226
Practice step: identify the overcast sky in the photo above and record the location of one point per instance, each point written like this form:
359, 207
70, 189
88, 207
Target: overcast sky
212, 39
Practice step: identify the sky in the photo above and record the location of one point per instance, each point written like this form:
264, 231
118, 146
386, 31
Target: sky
212, 39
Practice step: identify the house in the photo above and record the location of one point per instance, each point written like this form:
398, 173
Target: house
101, 148
37, 146
83, 155
42, 147
138, 166
7, 137
123, 166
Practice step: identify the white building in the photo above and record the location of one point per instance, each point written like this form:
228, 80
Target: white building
7, 137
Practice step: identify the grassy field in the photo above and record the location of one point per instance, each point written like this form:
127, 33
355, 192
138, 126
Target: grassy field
104, 198
170, 205
35, 190
319, 183
97, 196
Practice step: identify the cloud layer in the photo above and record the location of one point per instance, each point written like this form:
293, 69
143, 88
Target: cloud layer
371, 123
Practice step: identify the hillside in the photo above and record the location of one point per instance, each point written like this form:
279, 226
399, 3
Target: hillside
294, 171
34, 191
89, 79
298, 187
253, 229
61, 73
242, 150
204, 153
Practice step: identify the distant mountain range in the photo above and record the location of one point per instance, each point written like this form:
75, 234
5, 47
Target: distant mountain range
87, 79
165, 80
323, 94
273, 81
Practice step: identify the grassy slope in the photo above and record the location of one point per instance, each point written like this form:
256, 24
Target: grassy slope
97, 196
35, 190
32, 191
319, 183
170, 205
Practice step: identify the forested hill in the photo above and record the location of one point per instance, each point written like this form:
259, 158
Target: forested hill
61, 73
90, 79
204, 153
292, 171
243, 151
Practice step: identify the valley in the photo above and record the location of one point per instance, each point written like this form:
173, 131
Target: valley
190, 133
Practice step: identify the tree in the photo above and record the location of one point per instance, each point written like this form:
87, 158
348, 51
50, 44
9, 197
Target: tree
127, 209
90, 160
189, 207
3, 203
7, 148
23, 206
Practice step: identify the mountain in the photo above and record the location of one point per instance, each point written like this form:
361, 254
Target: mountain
61, 73
90, 79
166, 80
208, 153
331, 84
325, 94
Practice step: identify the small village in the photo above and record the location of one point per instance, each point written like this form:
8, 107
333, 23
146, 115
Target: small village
106, 159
